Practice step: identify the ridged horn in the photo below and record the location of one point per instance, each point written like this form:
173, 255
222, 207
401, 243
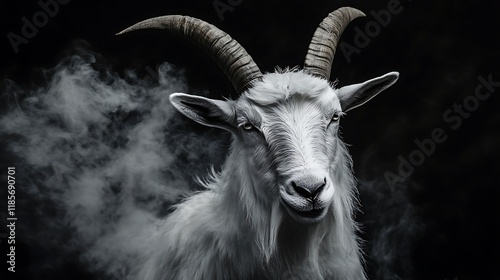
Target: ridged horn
324, 42
229, 55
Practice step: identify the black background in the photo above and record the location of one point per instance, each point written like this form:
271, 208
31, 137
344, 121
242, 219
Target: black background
439, 47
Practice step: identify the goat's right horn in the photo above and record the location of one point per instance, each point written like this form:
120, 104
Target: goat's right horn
229, 55
323, 44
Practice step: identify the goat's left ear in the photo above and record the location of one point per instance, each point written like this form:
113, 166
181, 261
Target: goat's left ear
209, 112
353, 96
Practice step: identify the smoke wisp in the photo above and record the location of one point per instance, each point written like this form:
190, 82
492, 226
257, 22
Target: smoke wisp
101, 157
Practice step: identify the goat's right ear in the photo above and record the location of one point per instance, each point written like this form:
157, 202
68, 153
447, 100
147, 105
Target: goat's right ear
353, 96
209, 112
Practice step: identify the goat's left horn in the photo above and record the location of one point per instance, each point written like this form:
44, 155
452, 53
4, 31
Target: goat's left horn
229, 55
323, 44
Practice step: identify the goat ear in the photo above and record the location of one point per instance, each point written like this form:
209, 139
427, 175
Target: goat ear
209, 112
353, 96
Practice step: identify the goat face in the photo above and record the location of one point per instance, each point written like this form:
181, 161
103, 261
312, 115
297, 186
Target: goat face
289, 124
287, 128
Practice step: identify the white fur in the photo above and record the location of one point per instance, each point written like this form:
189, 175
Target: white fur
238, 227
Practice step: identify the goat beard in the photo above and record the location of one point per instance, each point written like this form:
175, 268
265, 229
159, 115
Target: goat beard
294, 240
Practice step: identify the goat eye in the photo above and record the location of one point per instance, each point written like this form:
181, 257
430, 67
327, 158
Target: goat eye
335, 117
247, 126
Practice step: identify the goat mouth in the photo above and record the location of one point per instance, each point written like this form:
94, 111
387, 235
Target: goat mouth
307, 216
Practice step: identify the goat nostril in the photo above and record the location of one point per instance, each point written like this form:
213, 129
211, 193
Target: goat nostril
301, 190
318, 190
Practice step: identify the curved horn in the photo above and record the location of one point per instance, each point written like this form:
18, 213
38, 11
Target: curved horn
323, 44
229, 55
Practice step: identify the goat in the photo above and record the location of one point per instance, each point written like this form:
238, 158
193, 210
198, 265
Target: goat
282, 205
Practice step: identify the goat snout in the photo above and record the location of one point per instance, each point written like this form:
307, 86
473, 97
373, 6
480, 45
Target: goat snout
307, 197
308, 187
